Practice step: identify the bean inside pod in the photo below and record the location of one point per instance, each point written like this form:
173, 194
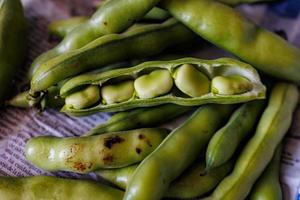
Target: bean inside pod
187, 81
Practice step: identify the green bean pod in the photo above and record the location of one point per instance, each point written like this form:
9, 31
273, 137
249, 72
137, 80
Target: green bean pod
112, 17
62, 27
229, 30
178, 151
194, 182
225, 142
140, 118
51, 98
12, 43
142, 41
156, 14
86, 154
187, 82
272, 126
268, 185
50, 188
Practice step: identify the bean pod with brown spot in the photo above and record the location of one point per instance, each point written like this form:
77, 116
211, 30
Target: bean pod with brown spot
87, 154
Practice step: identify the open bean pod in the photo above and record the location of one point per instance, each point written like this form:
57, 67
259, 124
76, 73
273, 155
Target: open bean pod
186, 81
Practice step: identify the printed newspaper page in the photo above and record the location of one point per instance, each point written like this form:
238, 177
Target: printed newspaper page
18, 125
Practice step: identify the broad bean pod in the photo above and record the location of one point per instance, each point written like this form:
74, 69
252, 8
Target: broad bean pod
51, 98
178, 151
194, 182
229, 30
141, 41
86, 154
272, 126
140, 118
225, 142
12, 43
187, 82
62, 27
112, 17
50, 188
268, 185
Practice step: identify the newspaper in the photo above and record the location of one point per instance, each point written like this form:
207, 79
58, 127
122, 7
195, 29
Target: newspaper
18, 125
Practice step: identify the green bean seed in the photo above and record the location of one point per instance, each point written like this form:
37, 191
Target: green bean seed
228, 85
116, 93
86, 154
156, 83
191, 81
84, 98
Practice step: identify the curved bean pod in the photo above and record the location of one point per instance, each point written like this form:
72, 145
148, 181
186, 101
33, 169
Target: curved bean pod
140, 118
225, 142
229, 30
113, 16
61, 28
49, 188
141, 41
194, 182
176, 153
224, 67
86, 154
272, 126
12, 43
51, 98
268, 185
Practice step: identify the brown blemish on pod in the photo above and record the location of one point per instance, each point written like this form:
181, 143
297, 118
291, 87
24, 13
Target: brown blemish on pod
81, 166
138, 150
108, 159
110, 141
143, 137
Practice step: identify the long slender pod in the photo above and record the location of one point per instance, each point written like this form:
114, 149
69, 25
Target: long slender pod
50, 188
113, 16
12, 43
176, 153
140, 118
137, 42
193, 182
225, 142
229, 30
268, 185
273, 125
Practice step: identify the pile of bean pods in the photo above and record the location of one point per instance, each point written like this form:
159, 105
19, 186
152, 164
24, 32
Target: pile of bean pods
228, 148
